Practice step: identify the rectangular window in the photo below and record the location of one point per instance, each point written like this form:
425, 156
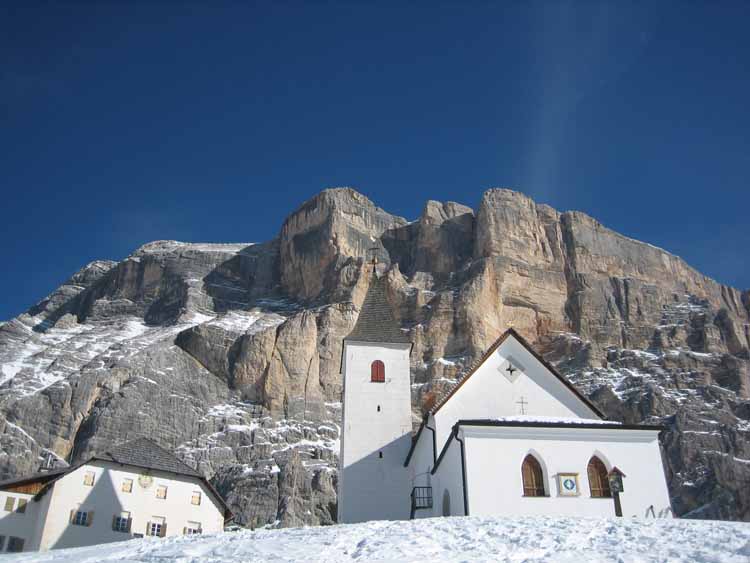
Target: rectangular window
82, 517
127, 486
121, 522
2, 543
15, 545
157, 527
88, 478
21, 505
193, 528
196, 498
10, 502
161, 492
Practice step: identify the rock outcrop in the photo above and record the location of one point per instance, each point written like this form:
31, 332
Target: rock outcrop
228, 354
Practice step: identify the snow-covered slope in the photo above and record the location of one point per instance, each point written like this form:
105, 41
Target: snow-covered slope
442, 539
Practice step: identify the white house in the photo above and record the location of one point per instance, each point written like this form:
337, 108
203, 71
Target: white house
511, 437
136, 489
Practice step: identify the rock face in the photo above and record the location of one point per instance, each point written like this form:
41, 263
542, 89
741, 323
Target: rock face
229, 354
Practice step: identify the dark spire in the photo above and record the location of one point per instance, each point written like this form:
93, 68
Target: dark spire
375, 322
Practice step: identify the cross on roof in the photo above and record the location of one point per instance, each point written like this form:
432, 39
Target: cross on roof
523, 404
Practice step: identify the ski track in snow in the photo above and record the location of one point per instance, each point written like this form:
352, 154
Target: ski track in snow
472, 539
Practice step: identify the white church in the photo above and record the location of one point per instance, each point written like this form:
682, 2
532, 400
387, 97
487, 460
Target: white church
512, 437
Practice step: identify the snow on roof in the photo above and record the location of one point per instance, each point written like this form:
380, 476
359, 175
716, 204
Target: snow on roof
552, 419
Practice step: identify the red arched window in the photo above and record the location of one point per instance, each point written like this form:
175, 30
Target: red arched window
377, 372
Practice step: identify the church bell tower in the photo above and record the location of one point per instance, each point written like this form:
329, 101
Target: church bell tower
376, 427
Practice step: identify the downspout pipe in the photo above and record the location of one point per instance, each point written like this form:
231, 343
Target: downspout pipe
434, 441
463, 469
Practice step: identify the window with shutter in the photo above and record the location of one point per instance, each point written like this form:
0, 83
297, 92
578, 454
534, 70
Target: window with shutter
192, 528
127, 486
81, 517
533, 477
121, 522
377, 372
10, 502
598, 480
196, 498
156, 527
21, 505
15, 545
161, 492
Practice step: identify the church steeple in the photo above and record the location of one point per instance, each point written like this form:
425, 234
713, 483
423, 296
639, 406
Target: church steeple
376, 323
376, 421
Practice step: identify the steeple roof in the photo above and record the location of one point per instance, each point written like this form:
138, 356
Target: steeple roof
376, 322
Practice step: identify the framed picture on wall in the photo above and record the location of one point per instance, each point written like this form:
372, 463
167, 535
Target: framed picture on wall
567, 485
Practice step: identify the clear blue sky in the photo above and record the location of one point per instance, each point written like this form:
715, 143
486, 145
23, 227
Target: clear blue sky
121, 124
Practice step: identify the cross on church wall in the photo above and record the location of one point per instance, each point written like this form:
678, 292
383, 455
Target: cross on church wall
523, 404
510, 369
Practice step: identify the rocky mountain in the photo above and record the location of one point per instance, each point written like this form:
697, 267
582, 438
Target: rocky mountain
228, 354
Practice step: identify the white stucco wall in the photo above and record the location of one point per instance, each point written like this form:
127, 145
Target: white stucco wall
489, 394
372, 487
107, 499
494, 456
448, 478
21, 525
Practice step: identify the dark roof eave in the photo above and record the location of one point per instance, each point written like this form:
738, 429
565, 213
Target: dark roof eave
541, 424
415, 441
45, 476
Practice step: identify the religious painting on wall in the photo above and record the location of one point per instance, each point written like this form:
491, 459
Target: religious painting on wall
567, 484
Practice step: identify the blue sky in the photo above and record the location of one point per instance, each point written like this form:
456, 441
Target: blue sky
121, 124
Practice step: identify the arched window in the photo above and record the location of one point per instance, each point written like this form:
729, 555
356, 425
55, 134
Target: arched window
598, 480
377, 372
533, 478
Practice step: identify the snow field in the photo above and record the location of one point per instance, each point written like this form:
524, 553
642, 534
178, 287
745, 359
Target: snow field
472, 539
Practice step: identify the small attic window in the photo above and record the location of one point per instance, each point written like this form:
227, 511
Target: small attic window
377, 372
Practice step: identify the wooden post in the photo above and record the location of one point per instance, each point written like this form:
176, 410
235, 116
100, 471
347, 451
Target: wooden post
615, 485
618, 506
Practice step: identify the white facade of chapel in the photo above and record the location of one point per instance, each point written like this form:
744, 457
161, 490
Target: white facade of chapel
468, 455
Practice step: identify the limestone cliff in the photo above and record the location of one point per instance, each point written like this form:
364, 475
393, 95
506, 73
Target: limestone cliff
229, 354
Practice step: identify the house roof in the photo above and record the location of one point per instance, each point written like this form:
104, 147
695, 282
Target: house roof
376, 322
141, 452
491, 350
40, 477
